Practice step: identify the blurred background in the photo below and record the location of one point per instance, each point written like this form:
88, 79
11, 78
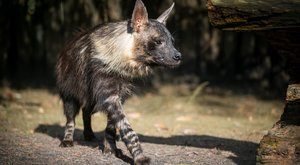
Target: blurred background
221, 101
33, 32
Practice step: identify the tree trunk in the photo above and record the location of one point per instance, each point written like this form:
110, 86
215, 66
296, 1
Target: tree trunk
282, 143
254, 15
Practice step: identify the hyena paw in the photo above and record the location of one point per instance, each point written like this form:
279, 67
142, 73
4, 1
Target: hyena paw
108, 151
142, 160
118, 153
66, 143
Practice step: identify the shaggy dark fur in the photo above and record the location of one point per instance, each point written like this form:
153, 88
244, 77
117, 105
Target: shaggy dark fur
95, 69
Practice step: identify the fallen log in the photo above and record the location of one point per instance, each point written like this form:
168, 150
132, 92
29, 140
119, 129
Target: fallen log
254, 15
279, 22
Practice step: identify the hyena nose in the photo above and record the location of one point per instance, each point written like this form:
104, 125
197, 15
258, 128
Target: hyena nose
177, 57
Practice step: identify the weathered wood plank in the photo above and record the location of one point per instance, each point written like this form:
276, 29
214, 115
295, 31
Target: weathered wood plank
252, 15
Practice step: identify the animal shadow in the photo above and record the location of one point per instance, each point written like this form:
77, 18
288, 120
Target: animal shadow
57, 131
244, 150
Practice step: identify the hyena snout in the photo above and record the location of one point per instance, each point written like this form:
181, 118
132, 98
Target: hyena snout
177, 56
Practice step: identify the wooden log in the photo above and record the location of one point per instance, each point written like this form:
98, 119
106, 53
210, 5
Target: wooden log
249, 15
282, 143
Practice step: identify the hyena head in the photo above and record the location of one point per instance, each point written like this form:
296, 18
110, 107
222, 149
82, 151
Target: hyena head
153, 43
132, 48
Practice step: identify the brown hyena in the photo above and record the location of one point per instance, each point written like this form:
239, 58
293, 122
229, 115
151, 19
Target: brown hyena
95, 71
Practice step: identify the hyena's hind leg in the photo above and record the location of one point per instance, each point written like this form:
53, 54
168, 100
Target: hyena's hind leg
71, 109
111, 136
88, 131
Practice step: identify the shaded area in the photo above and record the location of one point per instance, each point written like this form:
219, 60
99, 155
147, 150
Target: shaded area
19, 148
244, 151
56, 131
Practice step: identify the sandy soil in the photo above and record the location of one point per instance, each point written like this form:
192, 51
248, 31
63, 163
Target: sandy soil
175, 125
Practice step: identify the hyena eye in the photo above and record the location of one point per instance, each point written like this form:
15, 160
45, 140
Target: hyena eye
158, 42
154, 43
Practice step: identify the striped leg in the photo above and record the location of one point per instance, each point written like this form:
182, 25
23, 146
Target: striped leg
71, 109
131, 141
117, 118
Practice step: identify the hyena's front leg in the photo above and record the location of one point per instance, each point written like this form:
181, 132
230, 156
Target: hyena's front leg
117, 118
131, 141
71, 109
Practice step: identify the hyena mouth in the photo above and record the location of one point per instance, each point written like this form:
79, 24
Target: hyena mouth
173, 65
162, 63
167, 63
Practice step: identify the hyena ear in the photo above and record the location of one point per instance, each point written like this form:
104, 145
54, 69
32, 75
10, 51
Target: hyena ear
139, 16
163, 18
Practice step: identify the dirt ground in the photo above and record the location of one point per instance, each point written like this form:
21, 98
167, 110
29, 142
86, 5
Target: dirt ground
176, 125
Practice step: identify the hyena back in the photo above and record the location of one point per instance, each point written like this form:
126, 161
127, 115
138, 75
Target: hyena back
95, 69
